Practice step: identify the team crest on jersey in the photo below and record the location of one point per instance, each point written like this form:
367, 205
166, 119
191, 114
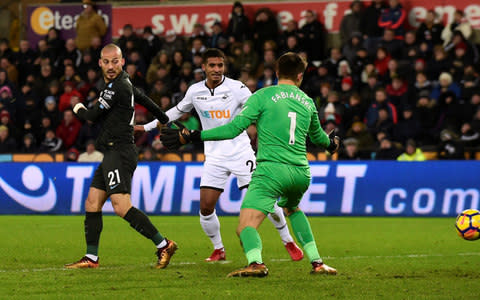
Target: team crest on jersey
226, 97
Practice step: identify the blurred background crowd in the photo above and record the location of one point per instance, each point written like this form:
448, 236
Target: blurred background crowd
391, 93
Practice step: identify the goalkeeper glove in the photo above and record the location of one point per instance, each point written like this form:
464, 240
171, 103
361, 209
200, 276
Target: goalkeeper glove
175, 138
334, 142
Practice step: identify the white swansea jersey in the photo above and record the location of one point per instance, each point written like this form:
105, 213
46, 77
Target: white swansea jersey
216, 107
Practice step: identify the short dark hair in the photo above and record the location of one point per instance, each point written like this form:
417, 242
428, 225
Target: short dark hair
289, 65
213, 52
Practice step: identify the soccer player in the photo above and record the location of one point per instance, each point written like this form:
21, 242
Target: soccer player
217, 100
285, 116
113, 176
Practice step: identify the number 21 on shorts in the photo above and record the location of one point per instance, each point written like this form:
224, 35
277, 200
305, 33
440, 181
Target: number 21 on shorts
113, 177
293, 124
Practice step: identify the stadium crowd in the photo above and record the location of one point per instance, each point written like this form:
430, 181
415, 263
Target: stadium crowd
388, 91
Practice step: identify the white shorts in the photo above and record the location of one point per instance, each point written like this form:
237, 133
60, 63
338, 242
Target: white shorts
215, 173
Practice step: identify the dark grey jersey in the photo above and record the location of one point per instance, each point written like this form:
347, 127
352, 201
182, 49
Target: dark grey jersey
115, 107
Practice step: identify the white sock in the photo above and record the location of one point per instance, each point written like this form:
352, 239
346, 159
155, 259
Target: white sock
211, 227
162, 244
92, 257
278, 220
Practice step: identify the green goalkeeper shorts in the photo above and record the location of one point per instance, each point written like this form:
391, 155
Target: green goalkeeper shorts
271, 181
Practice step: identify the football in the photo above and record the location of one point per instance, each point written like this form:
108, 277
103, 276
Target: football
468, 224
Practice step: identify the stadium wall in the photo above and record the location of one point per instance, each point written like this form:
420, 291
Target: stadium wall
182, 17
338, 188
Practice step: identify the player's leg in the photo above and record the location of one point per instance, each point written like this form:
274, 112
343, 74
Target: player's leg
119, 179
280, 223
93, 222
300, 180
212, 183
258, 202
303, 231
210, 223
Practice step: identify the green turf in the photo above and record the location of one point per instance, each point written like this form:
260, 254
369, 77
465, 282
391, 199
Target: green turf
377, 258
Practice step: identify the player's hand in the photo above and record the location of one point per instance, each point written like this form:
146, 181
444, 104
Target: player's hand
334, 142
77, 107
139, 128
175, 138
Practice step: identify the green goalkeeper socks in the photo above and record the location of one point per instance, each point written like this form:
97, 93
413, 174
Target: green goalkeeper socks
252, 244
303, 233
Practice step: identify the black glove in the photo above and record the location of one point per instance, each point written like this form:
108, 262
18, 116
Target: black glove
334, 142
174, 138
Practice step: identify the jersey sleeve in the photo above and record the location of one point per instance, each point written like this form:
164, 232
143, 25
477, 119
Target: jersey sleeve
243, 94
250, 112
151, 106
106, 101
316, 133
184, 106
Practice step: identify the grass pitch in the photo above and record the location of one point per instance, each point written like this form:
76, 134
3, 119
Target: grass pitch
377, 258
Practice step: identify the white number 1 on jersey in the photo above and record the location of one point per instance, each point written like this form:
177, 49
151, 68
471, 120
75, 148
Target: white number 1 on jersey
293, 124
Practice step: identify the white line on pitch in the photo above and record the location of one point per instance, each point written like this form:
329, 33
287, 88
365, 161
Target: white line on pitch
273, 260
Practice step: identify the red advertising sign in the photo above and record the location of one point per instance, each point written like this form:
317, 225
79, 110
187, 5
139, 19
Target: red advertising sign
181, 18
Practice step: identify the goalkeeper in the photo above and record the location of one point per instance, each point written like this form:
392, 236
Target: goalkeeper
285, 115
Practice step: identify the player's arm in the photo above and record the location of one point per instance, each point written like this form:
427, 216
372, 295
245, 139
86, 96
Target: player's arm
104, 103
173, 114
318, 136
174, 138
151, 106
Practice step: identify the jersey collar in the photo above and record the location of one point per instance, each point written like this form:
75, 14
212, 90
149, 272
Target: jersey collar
212, 91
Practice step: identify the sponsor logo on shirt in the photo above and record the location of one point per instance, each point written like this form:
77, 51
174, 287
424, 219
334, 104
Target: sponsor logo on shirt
201, 98
216, 114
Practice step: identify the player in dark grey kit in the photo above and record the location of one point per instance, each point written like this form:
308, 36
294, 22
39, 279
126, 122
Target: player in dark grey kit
113, 176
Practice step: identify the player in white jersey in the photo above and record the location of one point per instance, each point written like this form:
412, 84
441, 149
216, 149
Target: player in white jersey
218, 100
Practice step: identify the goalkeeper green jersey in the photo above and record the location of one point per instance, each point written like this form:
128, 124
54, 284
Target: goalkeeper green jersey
284, 115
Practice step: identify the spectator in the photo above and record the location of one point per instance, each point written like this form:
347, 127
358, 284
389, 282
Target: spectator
268, 78
312, 34
393, 18
50, 142
349, 150
51, 111
238, 29
391, 44
409, 48
459, 23
12, 72
427, 113
172, 43
351, 22
430, 30
88, 131
381, 61
70, 75
450, 112
5, 119
248, 58
217, 33
381, 101
198, 32
387, 150
352, 46
438, 64
136, 77
88, 63
421, 84
7, 143
360, 133
408, 127
32, 117
68, 129
469, 137
29, 144
412, 153
55, 43
265, 27
354, 111
445, 84
68, 92
397, 93
95, 48
71, 55
449, 147
5, 50
89, 24
7, 100
91, 154
71, 154
160, 60
369, 25
128, 40
24, 60
151, 44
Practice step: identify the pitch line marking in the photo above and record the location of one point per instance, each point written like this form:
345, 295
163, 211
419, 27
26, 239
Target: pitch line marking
273, 260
